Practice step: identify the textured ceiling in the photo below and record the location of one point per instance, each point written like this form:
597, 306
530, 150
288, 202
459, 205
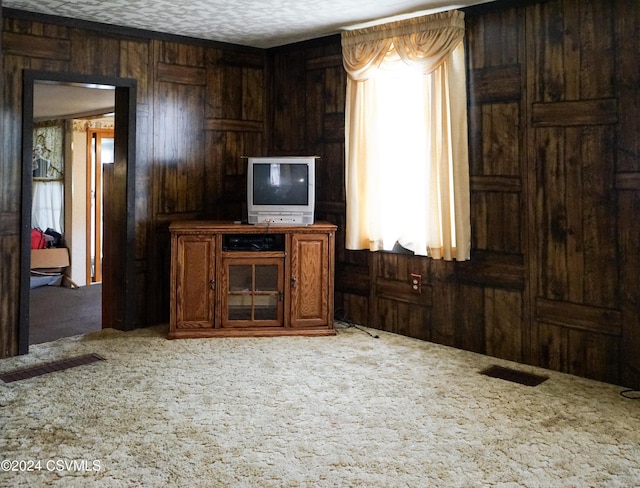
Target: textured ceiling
254, 23
257, 23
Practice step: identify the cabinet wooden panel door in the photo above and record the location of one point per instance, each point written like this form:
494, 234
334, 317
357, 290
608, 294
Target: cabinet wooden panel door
194, 298
309, 280
252, 291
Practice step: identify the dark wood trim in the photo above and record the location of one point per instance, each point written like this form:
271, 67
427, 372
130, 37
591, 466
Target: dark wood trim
578, 316
309, 44
177, 73
496, 84
505, 271
125, 131
628, 181
498, 6
37, 46
505, 184
323, 62
250, 59
401, 291
234, 125
25, 213
573, 113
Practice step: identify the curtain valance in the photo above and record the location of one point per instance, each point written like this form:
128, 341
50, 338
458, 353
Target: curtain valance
424, 41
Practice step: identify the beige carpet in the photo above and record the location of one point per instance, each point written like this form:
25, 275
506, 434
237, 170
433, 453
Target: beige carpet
340, 411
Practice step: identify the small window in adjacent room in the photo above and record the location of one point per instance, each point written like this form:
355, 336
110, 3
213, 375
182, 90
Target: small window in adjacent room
407, 170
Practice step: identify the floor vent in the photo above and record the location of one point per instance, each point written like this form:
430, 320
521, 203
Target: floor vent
528, 379
32, 372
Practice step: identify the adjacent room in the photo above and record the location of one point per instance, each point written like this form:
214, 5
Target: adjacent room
72, 139
346, 243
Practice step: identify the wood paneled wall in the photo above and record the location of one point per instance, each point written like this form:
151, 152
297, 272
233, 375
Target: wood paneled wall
555, 174
551, 102
554, 97
201, 106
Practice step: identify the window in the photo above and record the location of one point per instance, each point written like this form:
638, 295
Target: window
407, 170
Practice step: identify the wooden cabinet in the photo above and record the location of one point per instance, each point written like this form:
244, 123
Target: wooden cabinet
244, 280
193, 279
309, 279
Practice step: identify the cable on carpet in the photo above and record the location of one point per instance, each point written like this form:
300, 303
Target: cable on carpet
631, 394
350, 324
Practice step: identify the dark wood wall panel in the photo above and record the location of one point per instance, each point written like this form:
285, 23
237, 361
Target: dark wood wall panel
467, 330
289, 103
627, 158
217, 99
493, 314
180, 73
496, 83
182, 153
554, 168
572, 135
181, 149
136, 63
577, 216
93, 54
400, 305
52, 52
8, 226
504, 328
581, 113
177, 82
493, 269
308, 86
554, 165
629, 238
235, 128
493, 318
37, 46
403, 318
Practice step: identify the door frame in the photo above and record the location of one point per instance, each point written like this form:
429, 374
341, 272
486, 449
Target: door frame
94, 172
118, 297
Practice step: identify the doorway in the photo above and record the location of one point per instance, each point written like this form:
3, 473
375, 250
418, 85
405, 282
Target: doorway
68, 301
100, 146
118, 297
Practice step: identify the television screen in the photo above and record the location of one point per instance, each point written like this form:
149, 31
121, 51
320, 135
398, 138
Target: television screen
281, 190
280, 184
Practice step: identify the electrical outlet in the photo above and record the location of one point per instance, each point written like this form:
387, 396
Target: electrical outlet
416, 282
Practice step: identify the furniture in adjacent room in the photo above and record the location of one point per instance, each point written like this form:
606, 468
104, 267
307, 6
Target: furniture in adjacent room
48, 266
247, 280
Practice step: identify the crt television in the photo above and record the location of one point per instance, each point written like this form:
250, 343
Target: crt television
281, 190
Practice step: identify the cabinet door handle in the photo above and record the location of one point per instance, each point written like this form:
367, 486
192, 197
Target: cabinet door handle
212, 284
293, 282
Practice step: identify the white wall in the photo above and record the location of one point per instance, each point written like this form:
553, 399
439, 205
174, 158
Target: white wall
76, 194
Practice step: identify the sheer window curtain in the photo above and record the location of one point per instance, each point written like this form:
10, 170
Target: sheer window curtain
47, 209
414, 191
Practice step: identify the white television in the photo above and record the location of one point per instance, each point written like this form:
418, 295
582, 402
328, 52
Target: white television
281, 190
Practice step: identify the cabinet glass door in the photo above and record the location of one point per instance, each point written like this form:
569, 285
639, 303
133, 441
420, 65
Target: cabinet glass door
254, 292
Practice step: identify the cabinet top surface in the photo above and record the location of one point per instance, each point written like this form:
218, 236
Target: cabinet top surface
227, 226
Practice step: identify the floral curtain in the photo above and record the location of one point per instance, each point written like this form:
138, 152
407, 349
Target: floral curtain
47, 209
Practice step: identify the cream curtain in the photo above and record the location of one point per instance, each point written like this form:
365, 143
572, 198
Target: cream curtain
432, 45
